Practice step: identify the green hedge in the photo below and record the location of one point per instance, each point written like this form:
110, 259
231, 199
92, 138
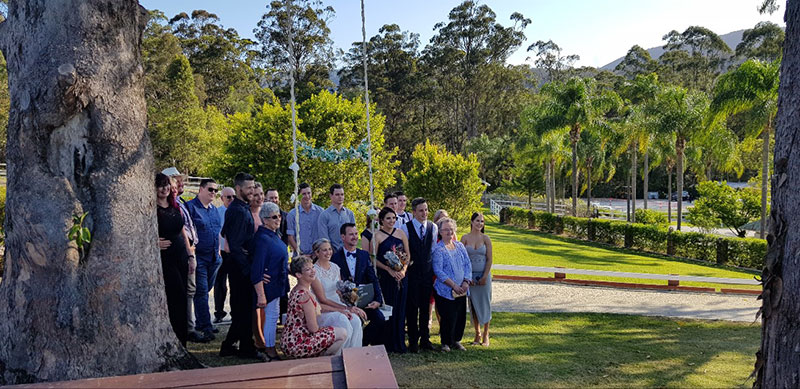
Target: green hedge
656, 238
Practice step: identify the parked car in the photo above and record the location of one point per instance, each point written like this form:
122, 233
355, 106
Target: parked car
685, 196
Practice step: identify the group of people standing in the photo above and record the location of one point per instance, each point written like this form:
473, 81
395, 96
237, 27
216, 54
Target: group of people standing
244, 244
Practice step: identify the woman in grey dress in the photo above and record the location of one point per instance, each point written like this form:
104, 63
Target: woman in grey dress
479, 248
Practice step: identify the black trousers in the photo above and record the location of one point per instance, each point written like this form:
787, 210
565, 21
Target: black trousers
375, 330
175, 269
418, 313
453, 315
242, 311
221, 287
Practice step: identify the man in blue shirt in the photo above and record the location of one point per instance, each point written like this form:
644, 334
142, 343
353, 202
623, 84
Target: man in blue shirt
207, 221
309, 217
332, 219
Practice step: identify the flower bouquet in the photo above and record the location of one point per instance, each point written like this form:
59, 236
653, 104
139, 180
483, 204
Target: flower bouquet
396, 258
348, 291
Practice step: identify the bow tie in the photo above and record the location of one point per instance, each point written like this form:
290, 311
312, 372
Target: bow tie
350, 255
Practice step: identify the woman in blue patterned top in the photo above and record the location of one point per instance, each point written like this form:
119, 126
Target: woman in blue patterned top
453, 271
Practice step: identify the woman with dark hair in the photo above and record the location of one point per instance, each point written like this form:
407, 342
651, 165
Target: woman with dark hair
302, 336
479, 249
175, 253
366, 235
394, 283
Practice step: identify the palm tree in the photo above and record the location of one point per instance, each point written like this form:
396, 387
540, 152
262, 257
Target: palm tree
575, 104
680, 112
592, 150
751, 90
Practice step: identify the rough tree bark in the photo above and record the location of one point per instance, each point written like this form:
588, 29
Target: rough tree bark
778, 360
77, 144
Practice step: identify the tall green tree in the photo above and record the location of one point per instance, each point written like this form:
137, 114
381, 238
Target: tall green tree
467, 55
636, 62
680, 114
311, 55
720, 205
176, 121
763, 42
695, 57
575, 104
549, 58
222, 59
751, 90
395, 83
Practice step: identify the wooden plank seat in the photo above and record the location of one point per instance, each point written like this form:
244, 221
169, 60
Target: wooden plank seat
365, 367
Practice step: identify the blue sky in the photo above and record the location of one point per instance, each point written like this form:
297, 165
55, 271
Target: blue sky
598, 31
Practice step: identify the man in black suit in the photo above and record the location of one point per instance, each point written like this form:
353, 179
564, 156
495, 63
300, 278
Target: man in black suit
356, 266
421, 239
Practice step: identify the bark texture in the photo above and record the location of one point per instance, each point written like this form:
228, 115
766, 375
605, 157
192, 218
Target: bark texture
77, 143
778, 360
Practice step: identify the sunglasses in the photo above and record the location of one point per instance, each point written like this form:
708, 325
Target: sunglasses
227, 197
275, 217
212, 190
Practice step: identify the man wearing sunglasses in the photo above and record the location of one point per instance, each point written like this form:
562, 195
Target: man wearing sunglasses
208, 224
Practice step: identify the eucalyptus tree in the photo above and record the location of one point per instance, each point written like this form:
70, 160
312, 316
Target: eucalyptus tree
467, 56
751, 90
311, 55
636, 62
695, 56
576, 104
549, 58
763, 42
680, 113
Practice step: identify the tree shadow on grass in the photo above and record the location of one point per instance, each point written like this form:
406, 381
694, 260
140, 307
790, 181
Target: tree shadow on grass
572, 350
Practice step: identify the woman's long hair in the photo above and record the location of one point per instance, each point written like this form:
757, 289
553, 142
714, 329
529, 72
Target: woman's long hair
163, 180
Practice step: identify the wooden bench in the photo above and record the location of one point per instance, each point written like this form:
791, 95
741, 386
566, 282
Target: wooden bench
365, 367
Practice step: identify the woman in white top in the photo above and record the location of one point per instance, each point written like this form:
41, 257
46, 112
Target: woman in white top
335, 313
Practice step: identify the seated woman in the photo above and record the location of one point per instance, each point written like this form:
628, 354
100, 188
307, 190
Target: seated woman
269, 273
334, 312
302, 336
453, 270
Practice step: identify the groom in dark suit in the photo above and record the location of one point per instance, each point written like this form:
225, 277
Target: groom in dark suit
356, 266
421, 240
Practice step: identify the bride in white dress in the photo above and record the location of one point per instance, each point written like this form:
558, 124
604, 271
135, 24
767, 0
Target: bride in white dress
334, 312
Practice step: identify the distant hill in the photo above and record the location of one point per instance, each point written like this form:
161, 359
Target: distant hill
731, 39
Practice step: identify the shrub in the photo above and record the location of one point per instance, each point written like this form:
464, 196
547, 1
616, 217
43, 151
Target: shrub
577, 227
518, 217
695, 245
549, 222
746, 252
649, 237
449, 181
719, 204
649, 216
605, 231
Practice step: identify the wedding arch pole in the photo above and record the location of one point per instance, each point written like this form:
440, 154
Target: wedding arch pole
294, 166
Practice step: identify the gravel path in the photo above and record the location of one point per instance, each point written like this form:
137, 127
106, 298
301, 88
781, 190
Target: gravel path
512, 296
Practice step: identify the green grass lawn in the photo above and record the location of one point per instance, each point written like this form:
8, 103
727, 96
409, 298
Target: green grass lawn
517, 246
574, 350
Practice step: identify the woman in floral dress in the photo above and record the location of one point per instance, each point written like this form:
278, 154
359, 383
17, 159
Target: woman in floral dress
302, 336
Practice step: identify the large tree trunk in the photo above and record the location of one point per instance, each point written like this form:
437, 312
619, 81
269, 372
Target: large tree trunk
646, 180
633, 182
778, 361
764, 175
679, 144
77, 143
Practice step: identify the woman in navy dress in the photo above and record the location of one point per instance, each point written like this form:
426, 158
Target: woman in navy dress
394, 284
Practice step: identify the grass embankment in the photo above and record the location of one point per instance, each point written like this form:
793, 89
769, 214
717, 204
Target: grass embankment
517, 246
575, 350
